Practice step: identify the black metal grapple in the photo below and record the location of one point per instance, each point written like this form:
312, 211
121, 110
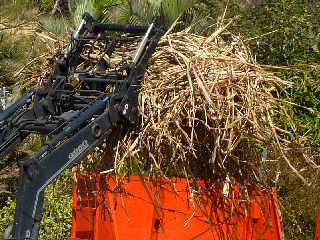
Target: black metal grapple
93, 90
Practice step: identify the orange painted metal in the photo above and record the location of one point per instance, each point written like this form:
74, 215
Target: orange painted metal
128, 208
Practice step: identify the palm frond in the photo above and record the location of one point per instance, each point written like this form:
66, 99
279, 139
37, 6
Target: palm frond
143, 11
136, 20
103, 5
118, 14
172, 9
82, 7
59, 26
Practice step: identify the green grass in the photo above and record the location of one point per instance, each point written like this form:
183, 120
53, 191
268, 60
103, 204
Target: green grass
56, 222
16, 50
46, 5
18, 10
12, 57
14, 47
305, 94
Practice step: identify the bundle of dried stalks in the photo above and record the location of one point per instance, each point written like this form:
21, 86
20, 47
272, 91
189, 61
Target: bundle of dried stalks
208, 111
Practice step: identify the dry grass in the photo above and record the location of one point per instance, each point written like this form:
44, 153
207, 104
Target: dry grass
207, 109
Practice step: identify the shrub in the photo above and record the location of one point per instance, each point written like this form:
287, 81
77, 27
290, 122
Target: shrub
281, 32
56, 221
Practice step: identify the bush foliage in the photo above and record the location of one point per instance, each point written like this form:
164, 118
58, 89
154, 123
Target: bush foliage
56, 222
279, 32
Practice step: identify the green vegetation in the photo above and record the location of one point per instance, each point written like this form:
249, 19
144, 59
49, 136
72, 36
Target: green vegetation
298, 207
59, 26
279, 33
305, 94
46, 5
56, 222
139, 11
15, 51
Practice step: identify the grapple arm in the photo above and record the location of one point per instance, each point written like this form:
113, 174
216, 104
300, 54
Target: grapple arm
76, 117
40, 170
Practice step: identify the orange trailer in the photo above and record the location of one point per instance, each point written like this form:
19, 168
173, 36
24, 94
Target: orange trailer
118, 208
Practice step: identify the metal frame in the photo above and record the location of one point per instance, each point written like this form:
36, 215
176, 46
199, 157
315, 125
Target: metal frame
75, 129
